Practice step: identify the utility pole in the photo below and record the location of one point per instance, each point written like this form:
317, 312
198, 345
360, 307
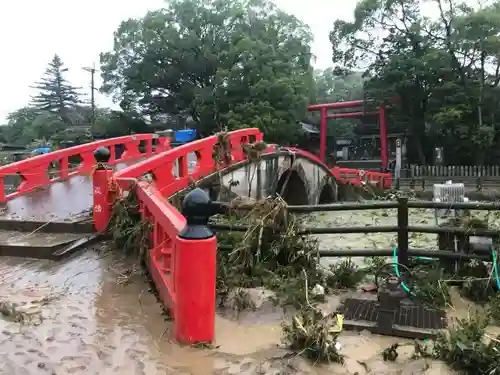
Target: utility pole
92, 72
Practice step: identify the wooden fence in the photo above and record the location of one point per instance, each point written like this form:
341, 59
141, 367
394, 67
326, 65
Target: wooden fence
475, 178
402, 228
454, 171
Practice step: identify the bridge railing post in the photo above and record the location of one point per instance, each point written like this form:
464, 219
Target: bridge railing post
195, 272
403, 230
101, 208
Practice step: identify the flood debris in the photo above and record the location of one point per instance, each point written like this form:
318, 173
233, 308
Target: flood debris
391, 353
241, 300
274, 254
344, 275
466, 347
271, 253
313, 332
16, 313
306, 333
494, 309
477, 278
429, 285
130, 233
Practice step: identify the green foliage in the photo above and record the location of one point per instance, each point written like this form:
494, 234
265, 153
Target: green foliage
274, 261
373, 264
330, 87
224, 63
283, 261
494, 309
344, 275
28, 125
18, 127
442, 71
391, 353
56, 95
115, 124
428, 287
479, 291
58, 118
130, 233
466, 348
479, 284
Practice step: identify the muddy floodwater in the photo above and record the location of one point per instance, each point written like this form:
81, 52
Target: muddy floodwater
86, 315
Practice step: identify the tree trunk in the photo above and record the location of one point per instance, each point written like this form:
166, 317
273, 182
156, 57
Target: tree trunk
420, 151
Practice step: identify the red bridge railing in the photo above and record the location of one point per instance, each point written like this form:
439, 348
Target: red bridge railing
182, 265
354, 176
359, 176
182, 268
42, 170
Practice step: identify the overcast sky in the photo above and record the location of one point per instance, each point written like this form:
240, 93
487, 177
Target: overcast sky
31, 31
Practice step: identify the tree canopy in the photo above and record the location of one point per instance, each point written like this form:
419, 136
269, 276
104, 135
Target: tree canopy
56, 116
331, 87
234, 64
221, 64
440, 75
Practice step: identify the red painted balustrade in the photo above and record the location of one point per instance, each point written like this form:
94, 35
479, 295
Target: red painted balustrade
183, 270
36, 172
308, 155
359, 176
354, 176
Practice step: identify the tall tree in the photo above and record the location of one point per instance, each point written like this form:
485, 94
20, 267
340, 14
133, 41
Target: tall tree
443, 71
55, 93
223, 63
330, 87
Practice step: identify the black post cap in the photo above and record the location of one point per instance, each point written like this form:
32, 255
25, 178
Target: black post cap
102, 155
197, 209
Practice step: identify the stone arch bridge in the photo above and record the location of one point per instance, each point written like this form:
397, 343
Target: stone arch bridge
297, 176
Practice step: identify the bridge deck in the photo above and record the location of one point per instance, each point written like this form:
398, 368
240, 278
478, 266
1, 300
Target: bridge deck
63, 201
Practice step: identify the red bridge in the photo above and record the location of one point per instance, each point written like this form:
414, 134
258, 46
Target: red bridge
54, 193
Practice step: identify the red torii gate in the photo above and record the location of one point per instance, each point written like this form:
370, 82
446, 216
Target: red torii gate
355, 104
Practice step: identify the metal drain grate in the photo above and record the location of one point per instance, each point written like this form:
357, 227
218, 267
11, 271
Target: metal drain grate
416, 316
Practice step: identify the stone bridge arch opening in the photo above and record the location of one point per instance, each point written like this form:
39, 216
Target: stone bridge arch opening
327, 194
292, 188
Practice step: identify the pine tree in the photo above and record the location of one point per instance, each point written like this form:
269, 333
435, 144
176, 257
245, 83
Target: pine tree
55, 93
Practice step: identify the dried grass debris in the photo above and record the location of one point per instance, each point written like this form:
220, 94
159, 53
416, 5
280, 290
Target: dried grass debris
15, 313
313, 333
129, 231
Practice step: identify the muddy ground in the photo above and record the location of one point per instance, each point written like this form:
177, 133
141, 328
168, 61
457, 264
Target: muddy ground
87, 315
